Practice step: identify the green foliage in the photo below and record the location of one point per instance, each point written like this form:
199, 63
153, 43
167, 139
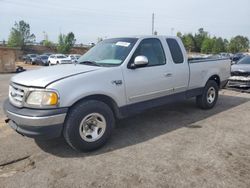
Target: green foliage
207, 45
179, 34
203, 42
213, 45
65, 42
20, 35
238, 44
189, 42
47, 43
218, 45
199, 38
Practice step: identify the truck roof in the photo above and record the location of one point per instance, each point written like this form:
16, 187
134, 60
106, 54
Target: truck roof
147, 36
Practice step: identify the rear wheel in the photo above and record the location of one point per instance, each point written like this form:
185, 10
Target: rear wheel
209, 97
88, 125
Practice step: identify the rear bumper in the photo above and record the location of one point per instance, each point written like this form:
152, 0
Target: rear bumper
35, 123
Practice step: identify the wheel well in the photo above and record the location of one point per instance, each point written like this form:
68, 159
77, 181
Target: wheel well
216, 78
103, 98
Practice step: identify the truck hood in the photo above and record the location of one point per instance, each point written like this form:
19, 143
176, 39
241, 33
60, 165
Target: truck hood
44, 76
241, 68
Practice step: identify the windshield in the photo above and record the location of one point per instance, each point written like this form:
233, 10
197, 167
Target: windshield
110, 52
44, 57
245, 60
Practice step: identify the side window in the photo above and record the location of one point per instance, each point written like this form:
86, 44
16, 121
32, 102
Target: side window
152, 49
175, 51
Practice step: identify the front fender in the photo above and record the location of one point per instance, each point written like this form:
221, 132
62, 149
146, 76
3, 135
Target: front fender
75, 88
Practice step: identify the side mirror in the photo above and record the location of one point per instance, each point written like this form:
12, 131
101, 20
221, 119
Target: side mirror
140, 61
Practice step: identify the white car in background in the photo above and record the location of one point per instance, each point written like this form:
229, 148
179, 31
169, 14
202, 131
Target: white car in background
56, 59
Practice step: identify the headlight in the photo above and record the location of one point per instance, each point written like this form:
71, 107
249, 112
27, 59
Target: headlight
42, 98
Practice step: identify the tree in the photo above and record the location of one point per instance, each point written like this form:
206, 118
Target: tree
207, 45
238, 44
20, 35
203, 42
199, 38
218, 45
188, 41
66, 42
179, 34
46, 42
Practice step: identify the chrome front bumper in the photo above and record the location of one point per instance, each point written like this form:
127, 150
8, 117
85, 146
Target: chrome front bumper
36, 121
46, 123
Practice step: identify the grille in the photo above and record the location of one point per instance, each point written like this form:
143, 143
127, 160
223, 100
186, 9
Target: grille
239, 73
235, 83
17, 94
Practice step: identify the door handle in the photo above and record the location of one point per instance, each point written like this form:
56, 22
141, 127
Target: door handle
168, 74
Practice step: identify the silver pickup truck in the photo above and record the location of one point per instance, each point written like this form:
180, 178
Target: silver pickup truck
115, 79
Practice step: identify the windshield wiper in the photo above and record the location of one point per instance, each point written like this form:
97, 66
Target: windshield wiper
89, 63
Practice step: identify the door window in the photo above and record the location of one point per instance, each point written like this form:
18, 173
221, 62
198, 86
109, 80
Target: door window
152, 49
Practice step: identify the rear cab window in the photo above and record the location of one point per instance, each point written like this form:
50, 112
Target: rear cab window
175, 51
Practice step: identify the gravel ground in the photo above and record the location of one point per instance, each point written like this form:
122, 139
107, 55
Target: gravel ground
173, 146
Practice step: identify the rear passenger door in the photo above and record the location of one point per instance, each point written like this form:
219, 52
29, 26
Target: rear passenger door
148, 82
179, 66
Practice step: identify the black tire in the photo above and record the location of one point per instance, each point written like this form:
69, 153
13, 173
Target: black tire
202, 100
73, 121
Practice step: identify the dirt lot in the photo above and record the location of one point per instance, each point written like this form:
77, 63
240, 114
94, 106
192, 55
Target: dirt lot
173, 146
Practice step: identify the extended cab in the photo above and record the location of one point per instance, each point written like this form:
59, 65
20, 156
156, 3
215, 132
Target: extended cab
116, 78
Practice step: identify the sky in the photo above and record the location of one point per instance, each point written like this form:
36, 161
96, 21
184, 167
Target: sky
90, 19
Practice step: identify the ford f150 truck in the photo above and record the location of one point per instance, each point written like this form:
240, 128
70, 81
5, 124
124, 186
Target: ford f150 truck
116, 78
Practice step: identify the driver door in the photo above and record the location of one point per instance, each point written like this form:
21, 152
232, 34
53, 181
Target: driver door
151, 81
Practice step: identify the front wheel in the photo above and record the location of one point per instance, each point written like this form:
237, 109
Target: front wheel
88, 125
209, 96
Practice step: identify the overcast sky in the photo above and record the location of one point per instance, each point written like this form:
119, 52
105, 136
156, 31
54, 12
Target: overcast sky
90, 19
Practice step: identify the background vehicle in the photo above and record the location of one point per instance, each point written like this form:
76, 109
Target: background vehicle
58, 59
47, 54
74, 57
240, 73
24, 58
115, 79
30, 58
226, 55
236, 57
42, 60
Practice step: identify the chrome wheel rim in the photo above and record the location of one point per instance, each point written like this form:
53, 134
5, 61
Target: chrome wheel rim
211, 94
92, 127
